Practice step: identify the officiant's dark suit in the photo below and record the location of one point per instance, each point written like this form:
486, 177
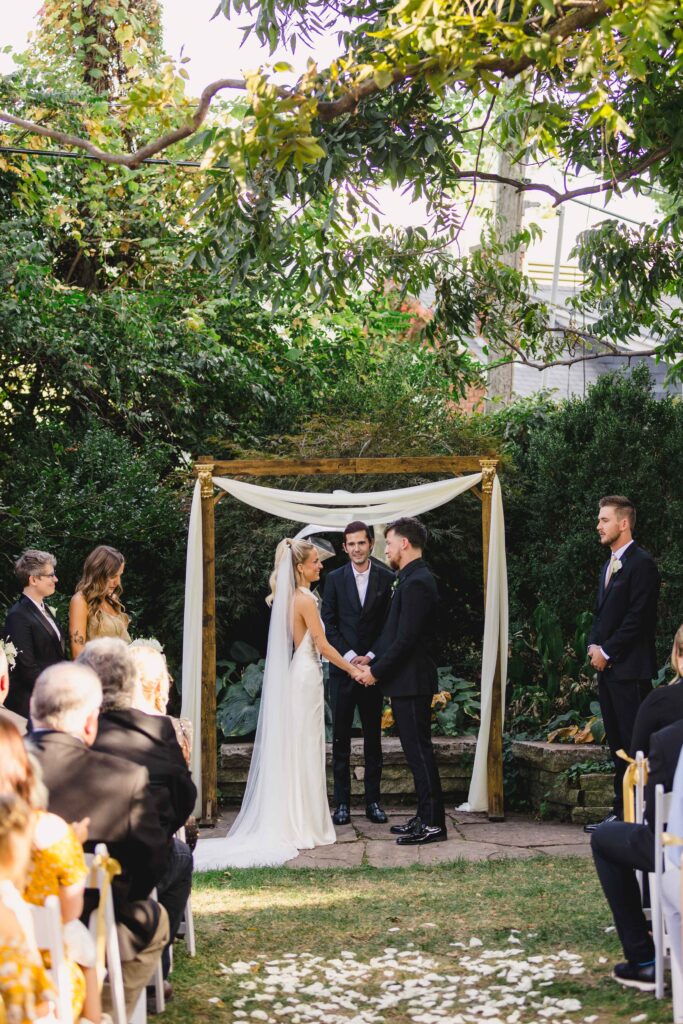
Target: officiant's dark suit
624, 627
39, 643
354, 627
406, 672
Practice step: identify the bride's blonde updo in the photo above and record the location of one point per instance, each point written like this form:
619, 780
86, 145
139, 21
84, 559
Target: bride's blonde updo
297, 550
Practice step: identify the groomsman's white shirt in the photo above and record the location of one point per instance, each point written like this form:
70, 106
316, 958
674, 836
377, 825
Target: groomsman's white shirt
362, 580
43, 611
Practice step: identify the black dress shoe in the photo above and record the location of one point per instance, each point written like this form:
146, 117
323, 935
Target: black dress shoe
422, 836
605, 821
635, 976
375, 813
410, 826
341, 816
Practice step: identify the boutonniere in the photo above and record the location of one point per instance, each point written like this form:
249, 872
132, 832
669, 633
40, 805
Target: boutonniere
10, 652
394, 585
51, 608
616, 566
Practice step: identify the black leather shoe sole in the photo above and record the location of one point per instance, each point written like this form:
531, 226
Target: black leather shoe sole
423, 837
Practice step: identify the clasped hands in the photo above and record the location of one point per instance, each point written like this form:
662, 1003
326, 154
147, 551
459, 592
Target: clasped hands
597, 659
363, 676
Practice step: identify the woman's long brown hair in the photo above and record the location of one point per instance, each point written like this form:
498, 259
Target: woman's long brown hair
98, 568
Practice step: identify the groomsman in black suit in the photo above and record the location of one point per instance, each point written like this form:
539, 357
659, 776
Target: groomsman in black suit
354, 609
403, 669
622, 639
32, 627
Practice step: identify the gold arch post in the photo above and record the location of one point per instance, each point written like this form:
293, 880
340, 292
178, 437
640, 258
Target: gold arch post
206, 467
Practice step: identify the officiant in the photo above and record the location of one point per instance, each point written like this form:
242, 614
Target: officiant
355, 605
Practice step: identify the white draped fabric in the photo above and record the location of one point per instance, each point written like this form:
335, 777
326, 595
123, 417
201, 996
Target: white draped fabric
332, 512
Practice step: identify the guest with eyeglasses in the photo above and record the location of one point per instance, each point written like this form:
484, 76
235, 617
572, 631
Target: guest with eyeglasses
32, 627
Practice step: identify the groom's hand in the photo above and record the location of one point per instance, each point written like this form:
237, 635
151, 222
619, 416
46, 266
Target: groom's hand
360, 659
367, 678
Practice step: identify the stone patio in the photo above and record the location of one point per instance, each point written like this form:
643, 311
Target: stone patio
470, 837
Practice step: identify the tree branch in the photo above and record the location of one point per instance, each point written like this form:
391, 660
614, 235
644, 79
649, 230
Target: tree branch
580, 18
612, 352
562, 197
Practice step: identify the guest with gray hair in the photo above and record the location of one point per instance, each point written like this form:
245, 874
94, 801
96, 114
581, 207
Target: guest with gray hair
148, 740
32, 627
115, 795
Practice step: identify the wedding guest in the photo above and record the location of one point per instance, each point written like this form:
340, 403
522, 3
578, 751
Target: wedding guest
115, 795
5, 714
620, 849
354, 608
32, 627
621, 644
96, 608
662, 706
152, 691
26, 992
405, 671
57, 868
148, 740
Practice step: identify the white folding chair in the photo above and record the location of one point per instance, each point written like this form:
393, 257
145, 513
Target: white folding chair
112, 956
641, 770
47, 925
663, 958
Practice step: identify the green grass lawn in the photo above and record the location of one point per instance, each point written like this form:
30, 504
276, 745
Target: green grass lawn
312, 946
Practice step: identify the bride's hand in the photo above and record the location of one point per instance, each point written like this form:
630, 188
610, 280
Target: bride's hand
359, 675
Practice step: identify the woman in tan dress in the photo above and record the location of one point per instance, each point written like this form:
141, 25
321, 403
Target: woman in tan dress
96, 608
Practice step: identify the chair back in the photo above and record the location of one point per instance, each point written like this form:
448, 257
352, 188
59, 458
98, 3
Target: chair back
47, 925
103, 930
641, 775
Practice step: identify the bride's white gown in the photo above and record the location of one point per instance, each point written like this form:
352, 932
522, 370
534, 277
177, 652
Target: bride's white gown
285, 806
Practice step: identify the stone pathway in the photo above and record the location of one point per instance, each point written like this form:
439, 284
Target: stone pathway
470, 837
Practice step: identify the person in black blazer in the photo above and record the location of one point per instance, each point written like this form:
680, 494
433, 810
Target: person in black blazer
32, 627
115, 795
621, 645
354, 609
150, 741
405, 671
621, 848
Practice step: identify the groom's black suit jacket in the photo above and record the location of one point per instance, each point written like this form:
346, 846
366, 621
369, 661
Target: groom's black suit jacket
625, 617
403, 665
38, 646
348, 625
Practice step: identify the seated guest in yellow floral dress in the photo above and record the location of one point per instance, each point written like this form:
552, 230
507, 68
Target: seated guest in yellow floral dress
96, 609
57, 868
26, 992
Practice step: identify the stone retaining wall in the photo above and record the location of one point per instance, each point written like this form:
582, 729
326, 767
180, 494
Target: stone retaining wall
539, 767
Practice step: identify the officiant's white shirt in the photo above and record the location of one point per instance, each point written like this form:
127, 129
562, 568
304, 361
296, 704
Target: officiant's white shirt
362, 580
44, 612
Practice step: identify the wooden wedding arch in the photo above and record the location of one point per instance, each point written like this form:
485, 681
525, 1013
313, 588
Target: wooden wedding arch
206, 468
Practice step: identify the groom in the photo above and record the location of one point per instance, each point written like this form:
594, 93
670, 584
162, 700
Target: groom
405, 672
354, 609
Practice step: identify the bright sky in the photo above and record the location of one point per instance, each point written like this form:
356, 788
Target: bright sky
215, 52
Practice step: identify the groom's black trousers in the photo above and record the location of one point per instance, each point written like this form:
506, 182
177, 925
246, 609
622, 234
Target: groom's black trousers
413, 717
346, 697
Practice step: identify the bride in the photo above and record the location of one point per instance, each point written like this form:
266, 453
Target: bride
285, 805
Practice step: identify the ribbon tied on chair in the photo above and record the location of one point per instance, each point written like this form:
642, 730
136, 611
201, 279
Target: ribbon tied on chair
630, 782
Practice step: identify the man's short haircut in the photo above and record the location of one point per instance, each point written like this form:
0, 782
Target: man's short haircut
357, 527
412, 529
32, 563
113, 663
625, 508
64, 696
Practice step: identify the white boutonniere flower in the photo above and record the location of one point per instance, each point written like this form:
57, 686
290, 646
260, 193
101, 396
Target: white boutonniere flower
394, 585
10, 652
616, 566
52, 608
